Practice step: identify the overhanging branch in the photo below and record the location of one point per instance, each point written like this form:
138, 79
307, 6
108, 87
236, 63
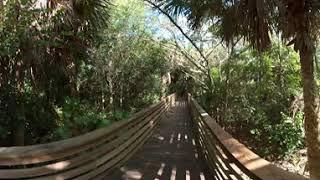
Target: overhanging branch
179, 28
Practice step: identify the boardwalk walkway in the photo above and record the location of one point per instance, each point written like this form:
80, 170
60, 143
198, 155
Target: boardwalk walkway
169, 154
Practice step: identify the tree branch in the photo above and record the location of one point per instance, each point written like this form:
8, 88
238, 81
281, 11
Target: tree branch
179, 28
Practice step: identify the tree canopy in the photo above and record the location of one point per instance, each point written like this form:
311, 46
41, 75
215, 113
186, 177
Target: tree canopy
70, 67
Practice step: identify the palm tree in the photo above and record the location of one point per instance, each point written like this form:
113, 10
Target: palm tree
297, 21
95, 12
81, 17
48, 66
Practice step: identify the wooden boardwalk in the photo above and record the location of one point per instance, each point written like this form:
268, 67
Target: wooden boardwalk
169, 154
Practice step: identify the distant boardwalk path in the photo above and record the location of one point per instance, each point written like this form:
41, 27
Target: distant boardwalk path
170, 153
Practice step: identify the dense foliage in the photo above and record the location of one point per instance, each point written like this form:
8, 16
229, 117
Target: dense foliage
258, 95
255, 96
252, 21
69, 69
41, 49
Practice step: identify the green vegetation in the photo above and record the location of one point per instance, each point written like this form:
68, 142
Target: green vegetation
70, 67
255, 22
255, 96
254, 93
67, 70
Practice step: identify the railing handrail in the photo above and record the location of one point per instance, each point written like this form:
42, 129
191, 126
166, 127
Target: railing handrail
113, 147
16, 155
74, 157
247, 161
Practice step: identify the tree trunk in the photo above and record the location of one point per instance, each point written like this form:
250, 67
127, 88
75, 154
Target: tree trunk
281, 81
1, 9
121, 95
19, 129
312, 121
110, 85
19, 135
103, 98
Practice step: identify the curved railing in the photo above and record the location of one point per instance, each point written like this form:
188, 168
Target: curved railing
226, 157
93, 155
89, 156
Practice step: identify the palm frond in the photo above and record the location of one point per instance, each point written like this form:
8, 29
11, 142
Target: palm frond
245, 18
94, 11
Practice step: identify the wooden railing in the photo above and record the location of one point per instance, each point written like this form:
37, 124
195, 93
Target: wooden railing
226, 157
89, 156
97, 153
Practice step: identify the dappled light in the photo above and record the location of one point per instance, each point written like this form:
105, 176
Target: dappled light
173, 156
58, 166
132, 175
173, 173
180, 148
227, 157
159, 173
159, 89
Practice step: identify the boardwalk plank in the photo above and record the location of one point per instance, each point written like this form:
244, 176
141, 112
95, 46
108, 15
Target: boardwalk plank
168, 154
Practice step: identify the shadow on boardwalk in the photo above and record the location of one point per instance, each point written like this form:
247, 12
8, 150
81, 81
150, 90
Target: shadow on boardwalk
170, 153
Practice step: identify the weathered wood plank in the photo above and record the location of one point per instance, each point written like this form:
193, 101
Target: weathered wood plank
250, 163
169, 154
126, 154
78, 160
75, 156
60, 149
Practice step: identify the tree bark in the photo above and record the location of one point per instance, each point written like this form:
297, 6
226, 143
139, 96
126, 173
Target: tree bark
312, 121
110, 85
1, 9
19, 135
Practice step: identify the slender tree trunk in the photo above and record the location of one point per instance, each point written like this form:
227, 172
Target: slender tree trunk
121, 94
312, 121
280, 74
19, 129
226, 91
1, 9
226, 82
110, 80
103, 98
19, 134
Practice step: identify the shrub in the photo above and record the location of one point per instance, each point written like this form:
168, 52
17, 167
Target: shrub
280, 139
77, 118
